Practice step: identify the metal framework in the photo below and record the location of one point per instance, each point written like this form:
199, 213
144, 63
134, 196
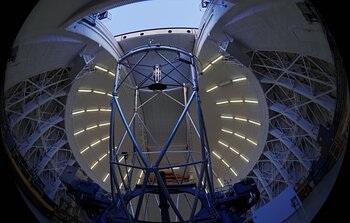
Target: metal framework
141, 176
35, 112
301, 95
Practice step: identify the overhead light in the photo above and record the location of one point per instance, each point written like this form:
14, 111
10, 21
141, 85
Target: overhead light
241, 119
110, 95
141, 174
102, 157
78, 112
236, 101
234, 172
225, 163
243, 157
95, 143
103, 124
213, 88
227, 131
106, 177
220, 182
91, 127
239, 79
226, 117
84, 150
92, 110
93, 165
99, 92
78, 132
176, 168
255, 123
233, 150
120, 186
111, 73
100, 68
206, 68
217, 59
126, 175
252, 142
217, 155
121, 159
221, 102
85, 90
138, 181
105, 138
251, 101
239, 135
223, 144
105, 109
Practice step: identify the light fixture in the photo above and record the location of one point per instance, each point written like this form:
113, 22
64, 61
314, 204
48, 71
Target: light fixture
92, 110
224, 144
100, 68
241, 119
91, 127
217, 155
255, 123
222, 102
78, 112
105, 138
217, 59
225, 163
111, 73
227, 131
106, 177
252, 142
226, 117
236, 101
212, 88
220, 182
251, 101
84, 150
234, 172
102, 157
78, 132
93, 165
99, 92
233, 150
206, 68
95, 143
239, 135
244, 158
103, 124
105, 109
85, 90
239, 79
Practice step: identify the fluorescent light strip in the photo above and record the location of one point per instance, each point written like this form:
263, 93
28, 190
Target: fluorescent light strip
226, 117
251, 101
91, 127
175, 168
94, 165
217, 59
141, 174
110, 95
99, 92
206, 68
95, 143
102, 157
78, 132
92, 110
103, 139
227, 131
121, 159
84, 150
234, 172
243, 157
223, 144
111, 73
239, 79
225, 163
236, 101
138, 181
252, 142
85, 90
120, 186
103, 124
105, 109
220, 182
253, 122
101, 68
241, 119
213, 88
221, 102
239, 135
126, 175
106, 177
78, 112
233, 150
217, 155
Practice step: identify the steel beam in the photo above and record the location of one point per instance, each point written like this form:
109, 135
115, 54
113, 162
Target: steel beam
279, 167
264, 183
